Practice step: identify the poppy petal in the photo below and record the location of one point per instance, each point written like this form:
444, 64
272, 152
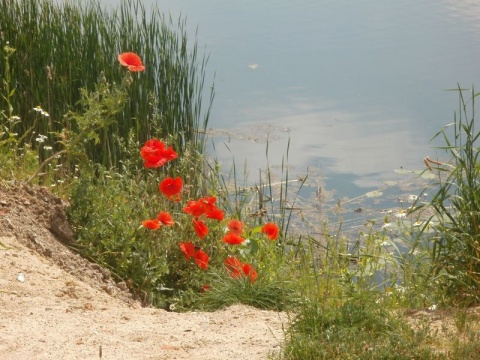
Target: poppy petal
152, 224
156, 154
165, 218
234, 266
250, 272
171, 188
201, 259
131, 60
233, 239
271, 230
235, 226
188, 249
200, 228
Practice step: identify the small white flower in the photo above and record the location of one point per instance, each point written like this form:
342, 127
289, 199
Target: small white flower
432, 308
386, 226
401, 215
41, 138
413, 252
412, 197
47, 148
41, 111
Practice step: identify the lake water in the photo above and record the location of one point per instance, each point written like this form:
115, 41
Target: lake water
357, 87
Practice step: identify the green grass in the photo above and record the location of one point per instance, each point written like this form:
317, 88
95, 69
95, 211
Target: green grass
355, 329
61, 49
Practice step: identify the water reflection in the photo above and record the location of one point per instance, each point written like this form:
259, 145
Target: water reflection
329, 139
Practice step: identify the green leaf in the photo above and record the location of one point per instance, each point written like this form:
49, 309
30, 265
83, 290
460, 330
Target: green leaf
256, 229
254, 246
428, 175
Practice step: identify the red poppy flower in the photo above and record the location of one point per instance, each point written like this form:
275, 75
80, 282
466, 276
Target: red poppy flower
250, 272
165, 218
236, 269
200, 228
152, 224
201, 258
235, 226
233, 239
204, 206
188, 249
194, 208
271, 230
171, 188
209, 200
205, 288
215, 213
155, 153
132, 61
234, 266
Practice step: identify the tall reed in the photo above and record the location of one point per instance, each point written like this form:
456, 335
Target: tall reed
456, 244
61, 48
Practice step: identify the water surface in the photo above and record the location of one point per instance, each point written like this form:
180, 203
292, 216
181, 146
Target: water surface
357, 87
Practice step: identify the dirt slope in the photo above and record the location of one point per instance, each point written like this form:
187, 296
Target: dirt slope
56, 305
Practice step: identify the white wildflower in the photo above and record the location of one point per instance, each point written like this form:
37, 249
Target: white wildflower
413, 252
386, 226
41, 111
41, 138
